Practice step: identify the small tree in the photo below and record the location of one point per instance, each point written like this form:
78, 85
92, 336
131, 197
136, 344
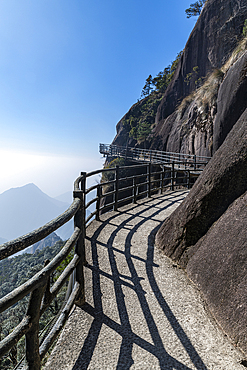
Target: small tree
147, 87
195, 8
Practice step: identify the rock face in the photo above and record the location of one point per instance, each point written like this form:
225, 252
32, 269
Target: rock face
210, 44
232, 100
198, 109
223, 180
201, 122
219, 268
207, 233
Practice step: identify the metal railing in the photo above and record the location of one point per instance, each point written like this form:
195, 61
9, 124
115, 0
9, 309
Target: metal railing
182, 160
118, 186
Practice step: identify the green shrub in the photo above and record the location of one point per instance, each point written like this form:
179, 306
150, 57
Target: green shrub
109, 176
245, 28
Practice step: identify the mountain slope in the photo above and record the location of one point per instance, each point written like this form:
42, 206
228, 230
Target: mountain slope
26, 208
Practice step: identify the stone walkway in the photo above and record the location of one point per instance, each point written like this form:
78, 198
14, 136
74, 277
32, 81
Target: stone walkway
142, 312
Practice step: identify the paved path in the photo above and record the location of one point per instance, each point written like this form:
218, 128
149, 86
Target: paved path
142, 312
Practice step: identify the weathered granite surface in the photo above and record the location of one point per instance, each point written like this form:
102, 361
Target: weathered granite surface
194, 116
210, 44
231, 101
223, 180
219, 268
210, 238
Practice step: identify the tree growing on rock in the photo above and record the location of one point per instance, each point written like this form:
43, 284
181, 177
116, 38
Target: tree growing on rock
195, 8
147, 87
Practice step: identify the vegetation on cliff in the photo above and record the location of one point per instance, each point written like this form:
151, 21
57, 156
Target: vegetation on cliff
139, 121
195, 8
14, 272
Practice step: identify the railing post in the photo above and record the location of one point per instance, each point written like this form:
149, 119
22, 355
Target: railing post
134, 189
162, 179
116, 188
32, 336
126, 153
195, 162
99, 193
172, 177
149, 180
79, 221
188, 179
47, 292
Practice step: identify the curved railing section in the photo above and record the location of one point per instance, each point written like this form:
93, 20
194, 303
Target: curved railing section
114, 187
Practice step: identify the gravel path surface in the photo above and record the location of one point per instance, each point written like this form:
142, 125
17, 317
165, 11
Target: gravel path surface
142, 312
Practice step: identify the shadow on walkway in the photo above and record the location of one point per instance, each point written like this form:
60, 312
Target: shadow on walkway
129, 338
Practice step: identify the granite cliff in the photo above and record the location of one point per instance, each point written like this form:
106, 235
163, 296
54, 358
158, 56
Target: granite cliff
195, 113
204, 111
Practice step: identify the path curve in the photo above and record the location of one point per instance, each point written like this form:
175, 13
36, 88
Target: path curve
142, 312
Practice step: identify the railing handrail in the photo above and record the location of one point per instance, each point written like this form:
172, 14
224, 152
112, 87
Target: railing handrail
112, 149
116, 189
9, 248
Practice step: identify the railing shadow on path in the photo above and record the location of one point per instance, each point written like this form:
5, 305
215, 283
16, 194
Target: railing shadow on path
129, 338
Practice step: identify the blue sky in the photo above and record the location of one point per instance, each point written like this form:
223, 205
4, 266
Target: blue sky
69, 70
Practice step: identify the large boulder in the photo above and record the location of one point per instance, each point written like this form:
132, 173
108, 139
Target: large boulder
232, 100
223, 180
219, 268
206, 234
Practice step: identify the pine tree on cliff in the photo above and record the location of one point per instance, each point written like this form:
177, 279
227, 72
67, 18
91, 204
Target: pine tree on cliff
195, 8
147, 87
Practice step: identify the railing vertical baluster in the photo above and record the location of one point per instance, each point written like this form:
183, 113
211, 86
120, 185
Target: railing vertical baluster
135, 189
195, 162
172, 177
79, 221
188, 179
149, 180
162, 179
116, 188
32, 336
99, 193
47, 292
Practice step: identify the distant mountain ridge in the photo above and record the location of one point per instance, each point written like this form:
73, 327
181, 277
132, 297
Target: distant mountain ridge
65, 197
26, 208
50, 240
